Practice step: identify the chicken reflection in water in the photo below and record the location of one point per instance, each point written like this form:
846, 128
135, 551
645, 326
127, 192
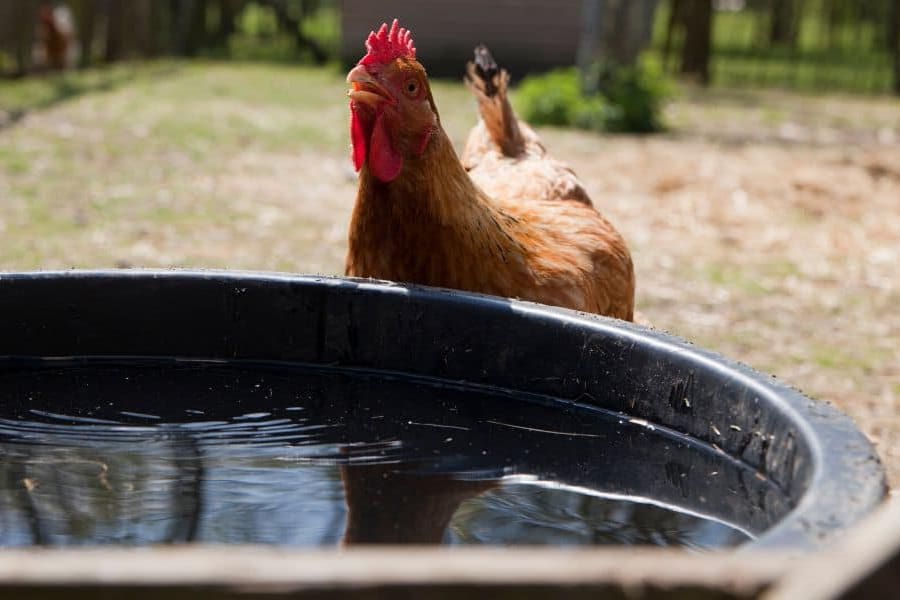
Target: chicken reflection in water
389, 506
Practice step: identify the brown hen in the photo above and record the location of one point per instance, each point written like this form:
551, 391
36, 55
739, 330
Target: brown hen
421, 218
503, 155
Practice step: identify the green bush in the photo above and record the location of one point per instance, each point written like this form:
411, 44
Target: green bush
629, 99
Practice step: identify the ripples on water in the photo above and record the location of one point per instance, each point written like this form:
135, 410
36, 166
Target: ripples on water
147, 452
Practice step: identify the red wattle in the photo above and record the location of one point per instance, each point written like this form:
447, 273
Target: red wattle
384, 161
359, 139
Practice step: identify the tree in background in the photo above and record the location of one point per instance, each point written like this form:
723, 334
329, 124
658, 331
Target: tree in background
85, 18
290, 17
784, 21
691, 22
893, 40
629, 29
226, 21
115, 30
611, 90
614, 33
694, 20
15, 39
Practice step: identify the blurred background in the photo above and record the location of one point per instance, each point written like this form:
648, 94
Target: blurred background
749, 151
849, 45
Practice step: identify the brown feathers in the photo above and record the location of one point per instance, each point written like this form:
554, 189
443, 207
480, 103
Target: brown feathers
503, 154
489, 84
517, 224
433, 226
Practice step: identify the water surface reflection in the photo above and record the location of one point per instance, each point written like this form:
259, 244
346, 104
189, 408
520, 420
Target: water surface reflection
153, 452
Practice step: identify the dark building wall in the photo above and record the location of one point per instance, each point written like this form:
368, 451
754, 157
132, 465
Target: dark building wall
524, 35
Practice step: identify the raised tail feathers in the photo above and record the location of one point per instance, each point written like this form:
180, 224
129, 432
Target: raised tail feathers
486, 69
490, 83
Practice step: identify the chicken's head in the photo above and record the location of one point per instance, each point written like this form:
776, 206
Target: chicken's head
392, 113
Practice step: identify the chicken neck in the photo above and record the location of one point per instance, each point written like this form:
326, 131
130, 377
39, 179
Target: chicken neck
431, 225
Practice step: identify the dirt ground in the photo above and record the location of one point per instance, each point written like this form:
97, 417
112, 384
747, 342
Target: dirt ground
765, 226
775, 243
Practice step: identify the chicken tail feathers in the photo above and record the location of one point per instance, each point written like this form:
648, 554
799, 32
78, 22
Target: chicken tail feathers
486, 69
489, 83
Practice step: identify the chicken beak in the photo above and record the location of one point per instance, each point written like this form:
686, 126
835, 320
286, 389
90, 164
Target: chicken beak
366, 89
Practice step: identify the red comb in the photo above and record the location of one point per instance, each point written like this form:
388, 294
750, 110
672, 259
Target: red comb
386, 45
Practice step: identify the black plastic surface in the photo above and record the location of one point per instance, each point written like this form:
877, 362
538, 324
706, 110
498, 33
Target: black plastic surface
812, 453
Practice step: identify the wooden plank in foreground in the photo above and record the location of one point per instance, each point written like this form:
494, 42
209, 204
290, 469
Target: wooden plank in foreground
173, 573
863, 565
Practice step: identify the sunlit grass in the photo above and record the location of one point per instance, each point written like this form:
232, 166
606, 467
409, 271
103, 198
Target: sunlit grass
93, 162
849, 59
39, 92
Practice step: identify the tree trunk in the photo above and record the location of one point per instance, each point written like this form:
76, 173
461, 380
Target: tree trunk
897, 71
189, 19
115, 31
628, 27
228, 10
646, 18
695, 53
676, 10
141, 20
591, 13
833, 19
782, 30
23, 23
617, 47
197, 32
85, 17
893, 40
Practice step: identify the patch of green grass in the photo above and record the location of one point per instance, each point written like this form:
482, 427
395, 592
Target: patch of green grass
733, 276
849, 58
774, 116
846, 359
782, 268
263, 106
142, 147
39, 92
14, 162
862, 73
278, 48
198, 107
25, 257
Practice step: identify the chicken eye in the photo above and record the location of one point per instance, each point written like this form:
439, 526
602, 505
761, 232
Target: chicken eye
412, 87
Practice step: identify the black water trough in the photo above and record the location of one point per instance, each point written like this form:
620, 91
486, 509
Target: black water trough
737, 447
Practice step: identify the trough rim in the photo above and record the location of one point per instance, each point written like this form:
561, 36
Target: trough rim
809, 524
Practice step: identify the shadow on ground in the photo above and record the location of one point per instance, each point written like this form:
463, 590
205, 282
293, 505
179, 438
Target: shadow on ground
46, 91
